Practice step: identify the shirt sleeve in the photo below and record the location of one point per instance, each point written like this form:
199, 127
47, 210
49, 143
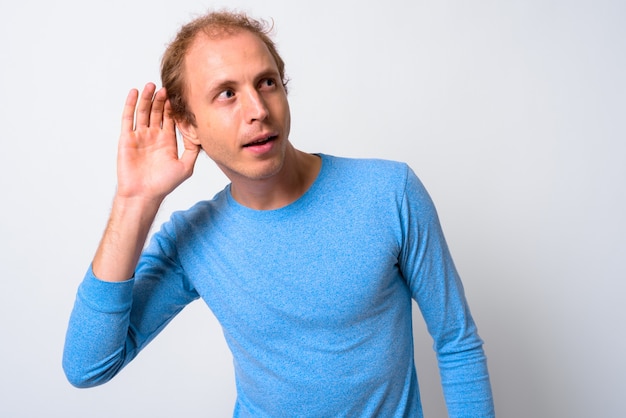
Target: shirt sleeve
111, 322
435, 285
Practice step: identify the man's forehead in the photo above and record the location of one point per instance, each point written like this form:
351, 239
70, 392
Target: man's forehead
219, 35
227, 59
219, 47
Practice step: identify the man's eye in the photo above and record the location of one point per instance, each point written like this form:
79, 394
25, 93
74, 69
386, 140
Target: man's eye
268, 82
226, 94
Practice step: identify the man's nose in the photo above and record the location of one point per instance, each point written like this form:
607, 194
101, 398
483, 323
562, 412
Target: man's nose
255, 109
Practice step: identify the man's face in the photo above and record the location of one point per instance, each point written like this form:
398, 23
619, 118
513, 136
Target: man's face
241, 109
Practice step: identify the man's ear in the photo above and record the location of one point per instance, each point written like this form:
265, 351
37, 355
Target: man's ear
188, 131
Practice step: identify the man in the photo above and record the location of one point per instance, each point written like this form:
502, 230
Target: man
309, 262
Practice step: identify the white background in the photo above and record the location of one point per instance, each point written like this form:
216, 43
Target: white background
511, 112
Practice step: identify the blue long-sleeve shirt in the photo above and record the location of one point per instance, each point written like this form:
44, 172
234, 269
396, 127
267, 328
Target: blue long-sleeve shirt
314, 299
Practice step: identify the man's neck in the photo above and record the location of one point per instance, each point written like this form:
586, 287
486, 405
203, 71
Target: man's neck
297, 174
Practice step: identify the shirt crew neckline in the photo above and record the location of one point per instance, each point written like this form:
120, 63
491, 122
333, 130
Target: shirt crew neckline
271, 214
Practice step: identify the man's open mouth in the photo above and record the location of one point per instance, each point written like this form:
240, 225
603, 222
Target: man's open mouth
261, 141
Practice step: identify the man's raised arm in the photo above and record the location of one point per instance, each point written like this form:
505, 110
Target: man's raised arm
100, 338
148, 169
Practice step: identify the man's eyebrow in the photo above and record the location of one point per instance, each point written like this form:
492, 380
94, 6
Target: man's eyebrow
220, 85
269, 72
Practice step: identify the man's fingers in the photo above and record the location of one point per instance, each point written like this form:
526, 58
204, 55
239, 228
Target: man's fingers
146, 110
158, 106
168, 122
145, 105
128, 115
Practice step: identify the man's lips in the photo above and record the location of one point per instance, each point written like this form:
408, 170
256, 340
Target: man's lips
261, 140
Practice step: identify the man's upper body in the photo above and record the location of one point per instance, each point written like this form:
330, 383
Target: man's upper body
309, 262
314, 298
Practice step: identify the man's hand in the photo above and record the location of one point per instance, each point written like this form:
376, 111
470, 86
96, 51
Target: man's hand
148, 170
148, 163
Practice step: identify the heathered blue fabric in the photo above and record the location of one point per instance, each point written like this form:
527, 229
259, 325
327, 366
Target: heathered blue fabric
314, 299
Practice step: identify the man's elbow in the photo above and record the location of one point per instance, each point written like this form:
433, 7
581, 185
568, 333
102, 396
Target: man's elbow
82, 377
